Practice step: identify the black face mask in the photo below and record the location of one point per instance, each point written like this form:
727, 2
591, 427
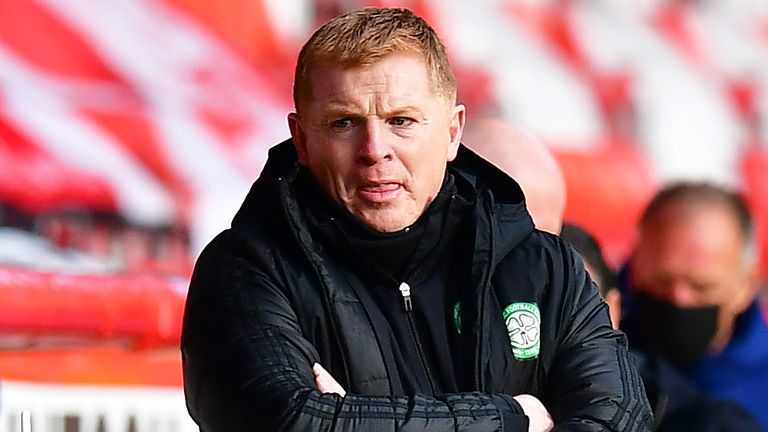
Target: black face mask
680, 335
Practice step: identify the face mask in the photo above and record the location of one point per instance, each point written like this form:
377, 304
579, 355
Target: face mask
680, 335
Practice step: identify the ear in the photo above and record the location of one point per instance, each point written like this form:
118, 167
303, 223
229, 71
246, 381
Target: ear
613, 298
299, 137
751, 281
455, 130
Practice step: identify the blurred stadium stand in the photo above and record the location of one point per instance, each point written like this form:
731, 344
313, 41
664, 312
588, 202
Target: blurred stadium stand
130, 132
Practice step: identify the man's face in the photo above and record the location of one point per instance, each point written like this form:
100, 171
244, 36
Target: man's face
378, 138
694, 259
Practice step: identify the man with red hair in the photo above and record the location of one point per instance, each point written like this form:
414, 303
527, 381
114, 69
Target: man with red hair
377, 246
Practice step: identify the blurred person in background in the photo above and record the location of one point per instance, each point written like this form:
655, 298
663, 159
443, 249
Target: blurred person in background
528, 161
380, 276
603, 276
691, 293
677, 405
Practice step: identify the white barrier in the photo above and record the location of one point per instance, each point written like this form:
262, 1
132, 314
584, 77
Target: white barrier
65, 408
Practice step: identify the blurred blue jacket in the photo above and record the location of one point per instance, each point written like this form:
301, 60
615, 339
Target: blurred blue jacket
729, 388
740, 372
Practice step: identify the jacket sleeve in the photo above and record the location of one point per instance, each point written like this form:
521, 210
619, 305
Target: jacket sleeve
593, 384
247, 367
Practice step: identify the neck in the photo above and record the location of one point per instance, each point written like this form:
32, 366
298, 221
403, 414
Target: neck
722, 338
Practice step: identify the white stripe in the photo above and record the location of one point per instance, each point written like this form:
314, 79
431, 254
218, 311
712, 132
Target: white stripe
33, 104
291, 19
160, 51
534, 87
161, 407
682, 114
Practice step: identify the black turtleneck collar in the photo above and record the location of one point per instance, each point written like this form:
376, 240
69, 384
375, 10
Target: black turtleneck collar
404, 255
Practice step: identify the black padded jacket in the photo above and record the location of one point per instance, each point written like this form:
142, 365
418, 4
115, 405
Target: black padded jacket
266, 302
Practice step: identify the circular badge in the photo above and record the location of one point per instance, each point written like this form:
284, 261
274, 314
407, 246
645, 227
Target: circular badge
523, 322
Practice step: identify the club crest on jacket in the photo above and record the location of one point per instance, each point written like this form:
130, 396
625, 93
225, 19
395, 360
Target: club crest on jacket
523, 321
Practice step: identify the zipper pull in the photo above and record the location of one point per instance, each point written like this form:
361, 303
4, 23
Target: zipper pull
405, 291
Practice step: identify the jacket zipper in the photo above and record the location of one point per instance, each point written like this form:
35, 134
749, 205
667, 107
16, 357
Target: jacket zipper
405, 291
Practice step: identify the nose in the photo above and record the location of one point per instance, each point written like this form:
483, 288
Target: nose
374, 147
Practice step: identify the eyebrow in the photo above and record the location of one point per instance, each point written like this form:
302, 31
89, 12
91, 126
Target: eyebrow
408, 109
336, 109
340, 110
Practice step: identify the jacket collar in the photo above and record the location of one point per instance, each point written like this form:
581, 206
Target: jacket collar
500, 194
501, 200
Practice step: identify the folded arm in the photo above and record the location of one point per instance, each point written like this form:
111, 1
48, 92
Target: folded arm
247, 366
593, 384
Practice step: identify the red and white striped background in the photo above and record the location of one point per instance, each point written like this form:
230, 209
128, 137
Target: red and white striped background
163, 110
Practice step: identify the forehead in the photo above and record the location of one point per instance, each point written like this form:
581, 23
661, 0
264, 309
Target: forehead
709, 228
396, 78
701, 244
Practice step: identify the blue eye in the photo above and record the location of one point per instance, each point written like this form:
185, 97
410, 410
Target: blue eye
401, 121
342, 123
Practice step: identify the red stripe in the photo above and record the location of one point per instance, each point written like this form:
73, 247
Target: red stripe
33, 180
136, 134
244, 25
38, 36
101, 365
144, 309
673, 21
554, 27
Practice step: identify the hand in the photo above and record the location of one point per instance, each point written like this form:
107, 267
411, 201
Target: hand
326, 383
538, 416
